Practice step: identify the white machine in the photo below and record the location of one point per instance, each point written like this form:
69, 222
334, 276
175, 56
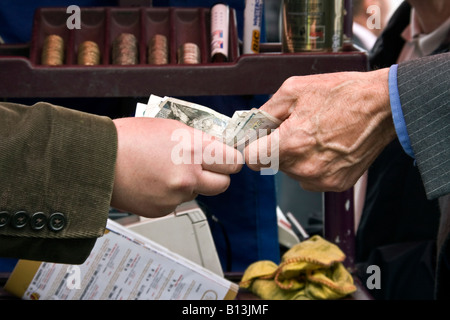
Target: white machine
186, 233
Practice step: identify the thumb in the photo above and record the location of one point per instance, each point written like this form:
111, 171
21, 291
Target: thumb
283, 102
264, 152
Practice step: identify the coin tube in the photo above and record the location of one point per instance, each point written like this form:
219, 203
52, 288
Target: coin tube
252, 26
158, 50
88, 54
53, 51
125, 49
189, 53
220, 16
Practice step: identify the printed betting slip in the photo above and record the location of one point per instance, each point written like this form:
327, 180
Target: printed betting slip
123, 265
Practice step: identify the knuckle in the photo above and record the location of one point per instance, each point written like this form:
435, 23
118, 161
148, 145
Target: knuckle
181, 183
290, 81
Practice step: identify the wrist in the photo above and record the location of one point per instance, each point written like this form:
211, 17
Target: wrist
383, 103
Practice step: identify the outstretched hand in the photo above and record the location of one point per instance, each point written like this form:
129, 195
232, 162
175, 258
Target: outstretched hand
334, 127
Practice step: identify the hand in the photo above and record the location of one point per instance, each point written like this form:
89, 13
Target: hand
335, 125
148, 180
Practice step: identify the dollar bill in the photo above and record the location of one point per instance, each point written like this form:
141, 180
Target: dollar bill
238, 131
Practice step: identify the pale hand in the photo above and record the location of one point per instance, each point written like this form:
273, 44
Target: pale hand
148, 182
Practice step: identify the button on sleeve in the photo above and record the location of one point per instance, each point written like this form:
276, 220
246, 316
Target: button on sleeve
57, 221
38, 220
19, 219
4, 218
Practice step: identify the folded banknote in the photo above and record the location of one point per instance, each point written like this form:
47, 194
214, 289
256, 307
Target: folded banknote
242, 128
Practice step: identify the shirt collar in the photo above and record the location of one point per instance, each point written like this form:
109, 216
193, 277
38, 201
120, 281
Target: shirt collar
427, 43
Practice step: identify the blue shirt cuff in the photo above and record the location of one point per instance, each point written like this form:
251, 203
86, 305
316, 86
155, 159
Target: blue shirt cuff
397, 112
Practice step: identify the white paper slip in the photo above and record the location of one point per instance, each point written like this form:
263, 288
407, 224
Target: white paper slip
122, 266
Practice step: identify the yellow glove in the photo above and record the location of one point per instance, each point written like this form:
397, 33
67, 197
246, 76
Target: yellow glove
312, 269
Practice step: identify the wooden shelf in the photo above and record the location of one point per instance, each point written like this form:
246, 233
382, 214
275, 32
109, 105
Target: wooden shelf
23, 76
250, 74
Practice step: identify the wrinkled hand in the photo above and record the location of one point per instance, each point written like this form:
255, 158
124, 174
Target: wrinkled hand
335, 125
160, 165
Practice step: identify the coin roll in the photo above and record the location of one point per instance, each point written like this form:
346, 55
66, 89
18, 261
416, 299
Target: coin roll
88, 54
158, 51
53, 50
125, 49
189, 53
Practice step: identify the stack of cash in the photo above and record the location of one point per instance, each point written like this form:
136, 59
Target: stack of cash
238, 131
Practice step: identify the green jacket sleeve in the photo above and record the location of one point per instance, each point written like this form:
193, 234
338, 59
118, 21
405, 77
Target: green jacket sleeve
56, 175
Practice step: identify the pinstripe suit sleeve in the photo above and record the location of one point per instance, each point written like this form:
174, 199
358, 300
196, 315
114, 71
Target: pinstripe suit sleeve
424, 89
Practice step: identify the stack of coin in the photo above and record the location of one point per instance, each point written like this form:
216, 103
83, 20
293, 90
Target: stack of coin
53, 51
125, 49
188, 53
88, 53
158, 50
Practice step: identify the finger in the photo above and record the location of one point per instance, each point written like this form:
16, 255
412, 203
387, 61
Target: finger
212, 183
220, 158
276, 106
